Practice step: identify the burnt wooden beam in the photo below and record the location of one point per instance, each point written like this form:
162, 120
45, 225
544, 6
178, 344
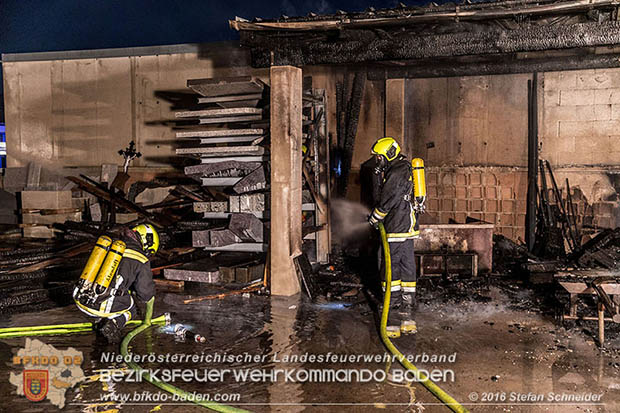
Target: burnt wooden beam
222, 151
255, 181
219, 133
418, 15
106, 195
214, 238
532, 163
247, 227
358, 46
502, 65
228, 168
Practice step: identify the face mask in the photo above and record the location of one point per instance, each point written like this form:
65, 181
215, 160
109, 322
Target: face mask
380, 165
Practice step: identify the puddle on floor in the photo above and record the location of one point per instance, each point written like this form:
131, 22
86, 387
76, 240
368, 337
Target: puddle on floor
500, 352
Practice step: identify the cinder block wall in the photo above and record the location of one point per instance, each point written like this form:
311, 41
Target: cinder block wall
472, 134
494, 195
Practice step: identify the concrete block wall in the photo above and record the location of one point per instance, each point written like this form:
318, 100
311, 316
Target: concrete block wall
498, 196
580, 119
494, 195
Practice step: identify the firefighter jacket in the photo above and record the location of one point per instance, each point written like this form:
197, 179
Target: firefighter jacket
395, 208
133, 276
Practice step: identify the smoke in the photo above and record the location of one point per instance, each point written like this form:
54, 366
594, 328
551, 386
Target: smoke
349, 222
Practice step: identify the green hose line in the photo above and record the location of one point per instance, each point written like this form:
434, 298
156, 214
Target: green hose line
445, 398
149, 311
60, 329
49, 332
166, 386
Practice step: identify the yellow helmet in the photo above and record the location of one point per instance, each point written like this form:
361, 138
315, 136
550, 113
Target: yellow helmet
387, 147
148, 237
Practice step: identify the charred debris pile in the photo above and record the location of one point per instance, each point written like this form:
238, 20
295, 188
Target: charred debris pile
212, 214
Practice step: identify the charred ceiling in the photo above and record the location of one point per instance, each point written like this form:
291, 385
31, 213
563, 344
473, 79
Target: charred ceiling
496, 33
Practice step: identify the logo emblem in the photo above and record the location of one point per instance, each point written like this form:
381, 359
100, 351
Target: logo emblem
36, 384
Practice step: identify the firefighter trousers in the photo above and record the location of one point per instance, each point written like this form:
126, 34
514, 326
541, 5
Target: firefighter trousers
403, 267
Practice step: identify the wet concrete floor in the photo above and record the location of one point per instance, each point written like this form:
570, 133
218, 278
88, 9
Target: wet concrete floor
506, 359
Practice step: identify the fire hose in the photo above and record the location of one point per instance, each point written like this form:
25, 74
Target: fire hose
61, 329
444, 397
183, 395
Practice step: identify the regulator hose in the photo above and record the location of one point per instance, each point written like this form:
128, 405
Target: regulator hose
166, 386
444, 397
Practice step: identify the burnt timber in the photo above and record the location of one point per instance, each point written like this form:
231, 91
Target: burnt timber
480, 38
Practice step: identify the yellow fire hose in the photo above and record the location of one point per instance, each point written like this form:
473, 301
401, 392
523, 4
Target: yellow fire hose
62, 329
444, 397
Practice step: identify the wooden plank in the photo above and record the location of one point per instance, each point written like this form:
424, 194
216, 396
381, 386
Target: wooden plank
207, 121
234, 158
226, 215
286, 160
210, 206
226, 86
220, 181
229, 168
230, 98
222, 151
177, 285
229, 139
578, 287
157, 219
218, 113
219, 133
244, 247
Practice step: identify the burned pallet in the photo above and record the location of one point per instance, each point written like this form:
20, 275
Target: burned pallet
601, 251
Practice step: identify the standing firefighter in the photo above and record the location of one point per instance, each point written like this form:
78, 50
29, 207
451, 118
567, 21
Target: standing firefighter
400, 199
114, 271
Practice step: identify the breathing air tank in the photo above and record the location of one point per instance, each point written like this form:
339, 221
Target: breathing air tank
95, 260
419, 182
109, 267
90, 271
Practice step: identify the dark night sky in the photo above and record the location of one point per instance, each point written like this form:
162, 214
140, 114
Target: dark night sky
48, 25
52, 25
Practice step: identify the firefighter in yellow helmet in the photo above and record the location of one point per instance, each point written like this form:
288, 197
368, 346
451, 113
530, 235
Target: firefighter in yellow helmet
113, 304
395, 209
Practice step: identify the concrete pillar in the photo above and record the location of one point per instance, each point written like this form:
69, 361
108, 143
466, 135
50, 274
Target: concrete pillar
285, 242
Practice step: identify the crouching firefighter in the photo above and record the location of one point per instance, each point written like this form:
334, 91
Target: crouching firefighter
401, 199
116, 271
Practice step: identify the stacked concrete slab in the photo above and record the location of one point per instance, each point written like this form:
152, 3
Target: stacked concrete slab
228, 129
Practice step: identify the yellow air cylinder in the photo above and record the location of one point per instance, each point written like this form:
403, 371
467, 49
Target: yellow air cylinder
419, 182
109, 267
95, 260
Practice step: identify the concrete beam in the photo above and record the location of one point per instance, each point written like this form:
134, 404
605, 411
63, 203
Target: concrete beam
286, 131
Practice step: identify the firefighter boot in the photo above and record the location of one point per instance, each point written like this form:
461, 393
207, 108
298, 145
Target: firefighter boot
112, 329
407, 314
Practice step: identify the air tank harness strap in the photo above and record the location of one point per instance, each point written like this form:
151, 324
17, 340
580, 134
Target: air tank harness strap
138, 256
